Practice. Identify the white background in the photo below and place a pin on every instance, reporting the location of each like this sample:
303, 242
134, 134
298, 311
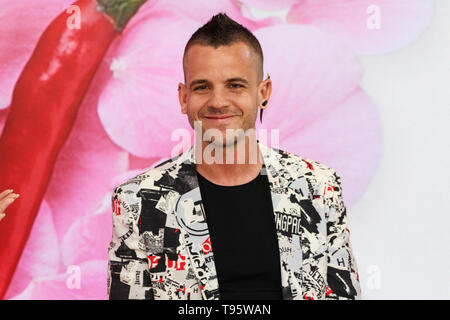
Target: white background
400, 226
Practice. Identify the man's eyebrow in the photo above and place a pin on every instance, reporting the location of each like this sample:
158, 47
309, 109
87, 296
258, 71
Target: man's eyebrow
237, 79
194, 82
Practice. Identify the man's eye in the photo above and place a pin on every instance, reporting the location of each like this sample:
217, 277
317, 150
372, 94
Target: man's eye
233, 85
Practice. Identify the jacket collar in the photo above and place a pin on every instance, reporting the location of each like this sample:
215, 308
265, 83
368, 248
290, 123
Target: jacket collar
195, 235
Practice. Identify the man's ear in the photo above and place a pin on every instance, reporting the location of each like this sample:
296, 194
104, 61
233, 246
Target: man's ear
182, 97
266, 89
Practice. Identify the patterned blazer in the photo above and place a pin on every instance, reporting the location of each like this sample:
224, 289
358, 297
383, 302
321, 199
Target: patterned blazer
161, 249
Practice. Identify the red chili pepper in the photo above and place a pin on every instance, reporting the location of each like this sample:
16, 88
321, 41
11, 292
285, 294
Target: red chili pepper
43, 109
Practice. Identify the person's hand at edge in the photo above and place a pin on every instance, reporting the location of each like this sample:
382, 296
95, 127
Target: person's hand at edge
6, 198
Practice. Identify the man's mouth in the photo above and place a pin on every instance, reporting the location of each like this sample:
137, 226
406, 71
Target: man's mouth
222, 119
219, 117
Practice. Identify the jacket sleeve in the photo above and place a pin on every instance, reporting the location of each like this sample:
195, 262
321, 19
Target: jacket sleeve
342, 272
128, 269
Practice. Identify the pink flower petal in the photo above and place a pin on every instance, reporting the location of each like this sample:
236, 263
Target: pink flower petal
310, 75
203, 10
147, 67
93, 284
120, 178
317, 105
355, 21
86, 164
88, 237
268, 5
40, 256
21, 23
347, 138
140, 163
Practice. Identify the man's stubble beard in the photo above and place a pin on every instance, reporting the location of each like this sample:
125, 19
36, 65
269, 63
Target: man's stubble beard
229, 140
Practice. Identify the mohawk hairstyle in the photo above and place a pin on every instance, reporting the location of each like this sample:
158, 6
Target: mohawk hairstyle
221, 30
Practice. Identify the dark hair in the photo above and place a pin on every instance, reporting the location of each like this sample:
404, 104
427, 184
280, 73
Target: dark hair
221, 30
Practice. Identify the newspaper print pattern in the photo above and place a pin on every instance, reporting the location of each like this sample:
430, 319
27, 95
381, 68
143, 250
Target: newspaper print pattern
160, 247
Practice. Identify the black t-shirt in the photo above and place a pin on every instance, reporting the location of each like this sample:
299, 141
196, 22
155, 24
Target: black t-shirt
243, 237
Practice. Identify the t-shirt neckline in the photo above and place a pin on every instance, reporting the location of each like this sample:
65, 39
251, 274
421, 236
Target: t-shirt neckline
239, 186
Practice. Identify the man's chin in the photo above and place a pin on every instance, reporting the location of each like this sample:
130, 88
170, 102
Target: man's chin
227, 141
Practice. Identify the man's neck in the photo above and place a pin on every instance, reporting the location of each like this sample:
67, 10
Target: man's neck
242, 165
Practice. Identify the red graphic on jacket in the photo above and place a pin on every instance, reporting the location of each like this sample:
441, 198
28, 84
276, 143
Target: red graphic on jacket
176, 264
154, 261
308, 164
307, 297
206, 246
173, 264
116, 207
327, 187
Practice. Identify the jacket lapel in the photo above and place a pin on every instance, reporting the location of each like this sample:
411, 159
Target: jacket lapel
287, 219
194, 235
189, 211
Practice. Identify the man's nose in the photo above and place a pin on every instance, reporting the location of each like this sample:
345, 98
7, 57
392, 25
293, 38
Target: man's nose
218, 99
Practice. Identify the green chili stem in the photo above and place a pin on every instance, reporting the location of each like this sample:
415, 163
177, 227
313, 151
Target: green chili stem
121, 11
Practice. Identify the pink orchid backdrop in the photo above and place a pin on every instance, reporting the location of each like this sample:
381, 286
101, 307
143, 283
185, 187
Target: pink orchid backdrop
121, 129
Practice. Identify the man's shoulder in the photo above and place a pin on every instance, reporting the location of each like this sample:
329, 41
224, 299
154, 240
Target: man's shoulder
304, 165
147, 177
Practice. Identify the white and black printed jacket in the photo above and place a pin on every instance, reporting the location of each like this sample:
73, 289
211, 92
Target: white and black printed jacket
161, 249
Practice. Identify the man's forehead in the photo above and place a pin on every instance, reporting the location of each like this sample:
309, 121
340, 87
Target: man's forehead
239, 50
232, 60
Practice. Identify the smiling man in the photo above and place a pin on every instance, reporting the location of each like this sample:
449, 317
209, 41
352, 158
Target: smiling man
230, 218
224, 90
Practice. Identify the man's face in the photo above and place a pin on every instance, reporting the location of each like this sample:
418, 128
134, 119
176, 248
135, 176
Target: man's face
222, 90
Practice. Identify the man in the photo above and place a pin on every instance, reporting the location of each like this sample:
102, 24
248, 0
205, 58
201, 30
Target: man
231, 218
